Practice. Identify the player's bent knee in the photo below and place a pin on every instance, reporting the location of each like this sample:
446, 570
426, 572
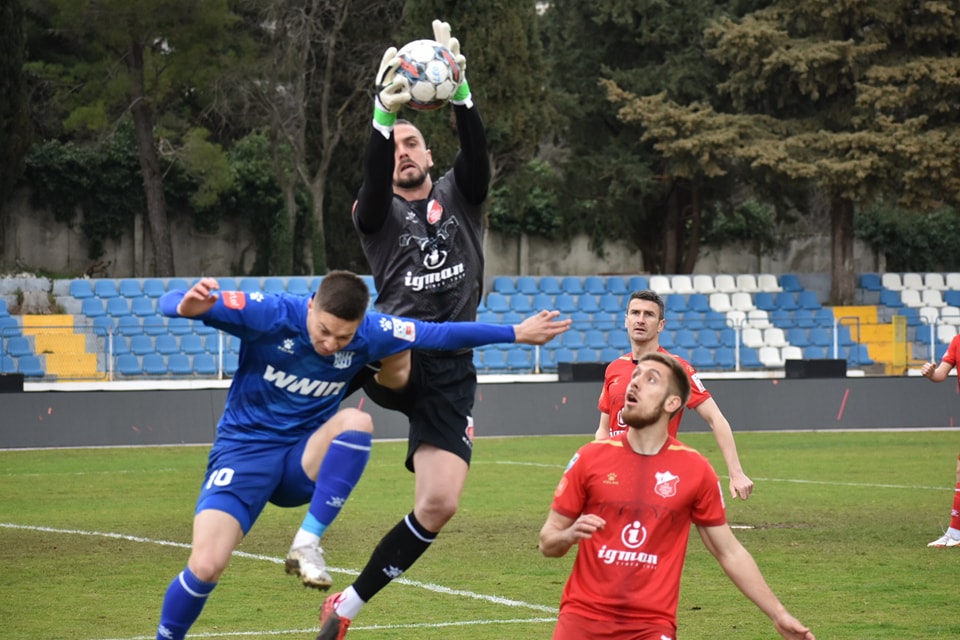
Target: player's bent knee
354, 420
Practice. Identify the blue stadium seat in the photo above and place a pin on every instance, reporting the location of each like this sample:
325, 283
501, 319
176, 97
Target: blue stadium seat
128, 365
571, 285
105, 288
564, 354
497, 302
8, 364
617, 285
749, 358
211, 343
511, 317
102, 326
495, 361
120, 346
227, 283
527, 285
230, 363
912, 314
891, 299
595, 339
81, 289
804, 318
18, 346
231, 343
790, 282
154, 287
541, 301
823, 317
725, 358
118, 307
586, 354
609, 354
488, 316
727, 337
565, 303
179, 364
520, 302
588, 303
128, 326
274, 284
787, 300
594, 285
606, 321
191, 344
870, 282
3, 308
699, 302
765, 300
249, 285
821, 337
951, 297
619, 340
549, 285
808, 300
798, 337
547, 362
204, 364
677, 303
685, 338
610, 303
166, 344
702, 358
178, 284
31, 366
812, 352
142, 344
844, 338
298, 286
143, 307
708, 338
781, 318
154, 364
638, 283
666, 340
504, 285
131, 288
520, 360
179, 326
572, 339
859, 356
680, 352
202, 329
92, 307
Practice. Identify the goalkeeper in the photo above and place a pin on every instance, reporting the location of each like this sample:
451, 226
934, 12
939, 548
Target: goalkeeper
424, 242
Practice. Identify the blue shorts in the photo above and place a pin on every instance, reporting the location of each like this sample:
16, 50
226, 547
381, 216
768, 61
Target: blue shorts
243, 476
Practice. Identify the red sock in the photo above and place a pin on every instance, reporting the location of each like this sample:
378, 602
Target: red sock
955, 512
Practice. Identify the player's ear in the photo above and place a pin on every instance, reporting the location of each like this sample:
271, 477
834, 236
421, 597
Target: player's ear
672, 404
429, 159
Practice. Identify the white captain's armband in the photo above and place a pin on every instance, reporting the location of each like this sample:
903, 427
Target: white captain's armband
404, 330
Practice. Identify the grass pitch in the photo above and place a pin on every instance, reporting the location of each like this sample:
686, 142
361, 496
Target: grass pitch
839, 522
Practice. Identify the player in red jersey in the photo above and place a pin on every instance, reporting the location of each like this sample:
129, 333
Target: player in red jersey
939, 373
644, 322
628, 503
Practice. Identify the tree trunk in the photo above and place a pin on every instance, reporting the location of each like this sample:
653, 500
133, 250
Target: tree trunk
149, 166
672, 231
843, 279
692, 250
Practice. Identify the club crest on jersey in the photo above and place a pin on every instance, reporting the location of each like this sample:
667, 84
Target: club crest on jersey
342, 359
233, 299
666, 486
434, 212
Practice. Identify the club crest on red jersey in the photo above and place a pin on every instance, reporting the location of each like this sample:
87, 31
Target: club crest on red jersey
666, 486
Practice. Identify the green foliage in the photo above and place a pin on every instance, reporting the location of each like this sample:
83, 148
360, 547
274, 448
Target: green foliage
527, 202
14, 127
751, 222
911, 240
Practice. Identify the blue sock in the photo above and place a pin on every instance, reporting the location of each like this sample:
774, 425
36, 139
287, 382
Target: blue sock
339, 473
182, 605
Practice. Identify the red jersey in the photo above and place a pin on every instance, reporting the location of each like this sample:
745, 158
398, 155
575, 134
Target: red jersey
630, 570
617, 378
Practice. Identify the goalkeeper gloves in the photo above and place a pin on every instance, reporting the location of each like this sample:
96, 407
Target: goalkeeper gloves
393, 91
441, 33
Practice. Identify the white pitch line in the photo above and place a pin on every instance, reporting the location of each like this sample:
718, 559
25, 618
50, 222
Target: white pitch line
436, 588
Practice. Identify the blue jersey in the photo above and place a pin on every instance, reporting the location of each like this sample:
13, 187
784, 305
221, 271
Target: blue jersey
283, 389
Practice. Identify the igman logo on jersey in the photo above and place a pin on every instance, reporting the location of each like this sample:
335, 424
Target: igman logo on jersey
302, 386
632, 536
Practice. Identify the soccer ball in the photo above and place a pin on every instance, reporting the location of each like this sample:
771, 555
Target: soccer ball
433, 73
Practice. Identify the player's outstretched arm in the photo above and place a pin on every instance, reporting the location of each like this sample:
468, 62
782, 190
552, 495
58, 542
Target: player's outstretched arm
199, 299
743, 571
540, 328
741, 486
935, 372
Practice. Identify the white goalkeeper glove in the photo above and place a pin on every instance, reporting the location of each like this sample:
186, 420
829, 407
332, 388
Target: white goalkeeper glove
441, 33
393, 91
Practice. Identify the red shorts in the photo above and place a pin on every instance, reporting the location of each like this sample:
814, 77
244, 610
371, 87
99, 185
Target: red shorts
573, 627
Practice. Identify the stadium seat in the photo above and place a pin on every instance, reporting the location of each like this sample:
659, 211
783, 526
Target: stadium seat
912, 281
821, 337
154, 287
950, 315
212, 343
798, 337
720, 302
180, 364
274, 284
638, 283
166, 344
790, 282
527, 285
205, 364
594, 285
128, 326
571, 285
790, 352
549, 285
511, 317
230, 363
495, 360
946, 332
118, 307
249, 285
497, 302
202, 329
586, 354
725, 358
130, 288
81, 289
572, 339
787, 300
765, 300
682, 284
666, 340
595, 339
725, 283
911, 298
92, 307
911, 314
619, 340
143, 307
179, 326
609, 354
702, 358
105, 288
951, 298
8, 364
952, 281
859, 356
801, 319
775, 337
118, 346
758, 319
686, 338
298, 286
227, 283
520, 360
824, 317
703, 284
747, 282
708, 338
727, 337
768, 282
694, 320
752, 338
565, 303
128, 365
488, 316
870, 282
610, 303
31, 366
932, 298
178, 284
154, 364
520, 303
142, 344
504, 285
742, 301
813, 352
749, 359
18, 347
617, 285
698, 302
661, 284
191, 344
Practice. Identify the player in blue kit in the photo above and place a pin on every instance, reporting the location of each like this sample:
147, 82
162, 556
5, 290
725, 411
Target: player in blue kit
281, 425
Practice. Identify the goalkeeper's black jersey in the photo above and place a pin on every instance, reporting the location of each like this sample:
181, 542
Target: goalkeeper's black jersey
427, 259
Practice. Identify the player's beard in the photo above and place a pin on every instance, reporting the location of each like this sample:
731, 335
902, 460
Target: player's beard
640, 419
413, 181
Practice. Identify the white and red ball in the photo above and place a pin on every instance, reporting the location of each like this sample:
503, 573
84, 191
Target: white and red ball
433, 73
